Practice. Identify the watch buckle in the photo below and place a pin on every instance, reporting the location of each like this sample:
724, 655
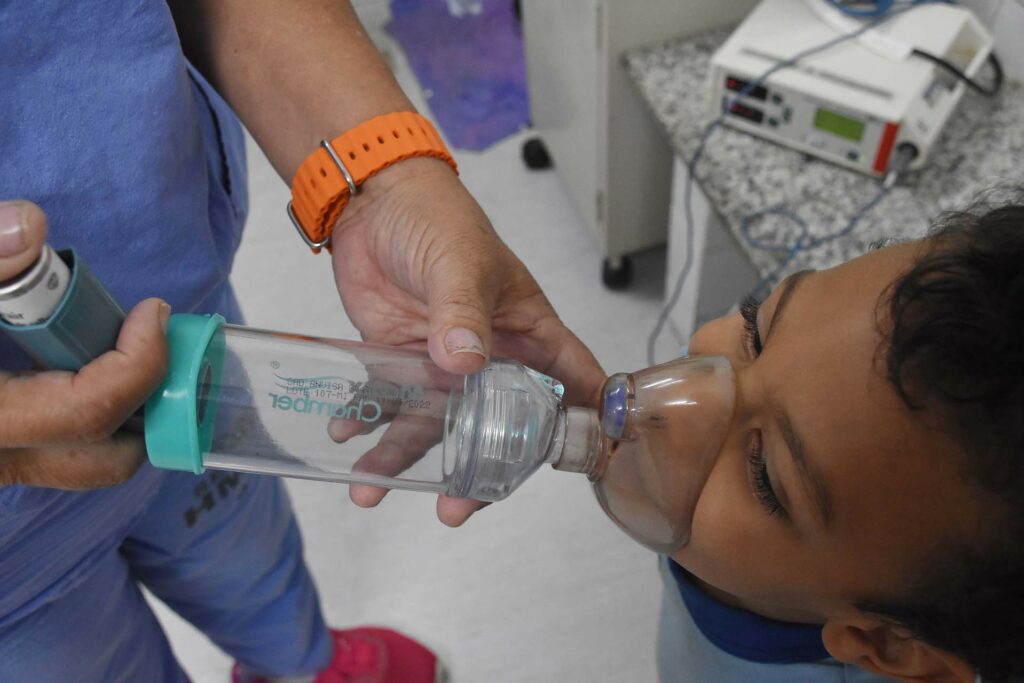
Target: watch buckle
353, 190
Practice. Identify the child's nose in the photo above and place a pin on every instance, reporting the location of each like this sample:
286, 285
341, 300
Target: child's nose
711, 338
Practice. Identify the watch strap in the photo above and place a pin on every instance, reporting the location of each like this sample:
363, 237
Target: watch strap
331, 175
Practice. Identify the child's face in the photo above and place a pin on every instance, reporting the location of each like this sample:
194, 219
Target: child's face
867, 493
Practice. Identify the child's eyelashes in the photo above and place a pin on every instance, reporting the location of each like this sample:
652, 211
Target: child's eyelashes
757, 464
748, 310
757, 467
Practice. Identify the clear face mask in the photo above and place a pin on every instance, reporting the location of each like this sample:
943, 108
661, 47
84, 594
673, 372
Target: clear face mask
661, 431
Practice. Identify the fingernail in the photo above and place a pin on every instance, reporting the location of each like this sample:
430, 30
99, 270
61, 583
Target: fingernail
12, 233
461, 340
165, 315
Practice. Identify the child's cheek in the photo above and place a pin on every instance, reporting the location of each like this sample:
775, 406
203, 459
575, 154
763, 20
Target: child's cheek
731, 535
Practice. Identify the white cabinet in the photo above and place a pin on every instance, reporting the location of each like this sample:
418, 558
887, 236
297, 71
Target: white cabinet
605, 145
721, 272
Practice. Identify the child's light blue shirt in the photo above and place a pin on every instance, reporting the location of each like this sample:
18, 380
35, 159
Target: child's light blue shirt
687, 655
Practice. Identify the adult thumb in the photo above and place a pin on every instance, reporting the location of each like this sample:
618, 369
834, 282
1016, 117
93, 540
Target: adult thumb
461, 300
22, 235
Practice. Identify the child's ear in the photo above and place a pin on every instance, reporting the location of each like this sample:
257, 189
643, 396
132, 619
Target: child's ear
885, 649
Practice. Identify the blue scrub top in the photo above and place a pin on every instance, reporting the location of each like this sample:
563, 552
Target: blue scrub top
140, 166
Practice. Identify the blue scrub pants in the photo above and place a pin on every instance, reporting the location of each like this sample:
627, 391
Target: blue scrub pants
223, 550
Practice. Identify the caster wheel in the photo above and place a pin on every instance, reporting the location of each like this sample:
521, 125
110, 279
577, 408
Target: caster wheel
617, 273
535, 155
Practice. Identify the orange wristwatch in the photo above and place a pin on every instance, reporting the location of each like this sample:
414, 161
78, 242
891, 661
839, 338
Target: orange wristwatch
331, 176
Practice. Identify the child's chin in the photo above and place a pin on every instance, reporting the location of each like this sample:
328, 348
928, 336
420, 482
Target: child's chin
705, 582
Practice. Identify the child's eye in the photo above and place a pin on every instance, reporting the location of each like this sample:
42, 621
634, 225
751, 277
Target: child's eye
748, 310
757, 467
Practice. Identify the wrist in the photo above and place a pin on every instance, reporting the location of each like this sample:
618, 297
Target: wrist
342, 168
407, 170
396, 188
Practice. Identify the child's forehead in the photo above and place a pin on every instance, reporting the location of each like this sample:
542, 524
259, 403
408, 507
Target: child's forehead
875, 270
829, 347
854, 293
888, 466
842, 306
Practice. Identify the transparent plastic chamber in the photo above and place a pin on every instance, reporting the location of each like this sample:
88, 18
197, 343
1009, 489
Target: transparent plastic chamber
273, 403
346, 411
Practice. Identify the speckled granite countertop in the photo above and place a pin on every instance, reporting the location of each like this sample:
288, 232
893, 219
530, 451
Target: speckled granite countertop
982, 145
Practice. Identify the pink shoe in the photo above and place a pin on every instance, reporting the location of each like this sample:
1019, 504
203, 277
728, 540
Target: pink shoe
372, 655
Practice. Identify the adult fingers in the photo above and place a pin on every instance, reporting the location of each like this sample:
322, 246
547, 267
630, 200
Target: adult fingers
549, 347
74, 467
455, 511
370, 410
65, 407
22, 235
351, 420
405, 441
462, 290
576, 367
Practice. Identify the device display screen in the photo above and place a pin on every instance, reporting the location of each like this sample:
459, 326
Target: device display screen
837, 124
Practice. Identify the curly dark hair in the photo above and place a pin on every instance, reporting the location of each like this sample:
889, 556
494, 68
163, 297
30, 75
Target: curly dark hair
955, 349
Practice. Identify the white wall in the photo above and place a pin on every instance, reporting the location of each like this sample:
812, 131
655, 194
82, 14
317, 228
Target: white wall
1006, 20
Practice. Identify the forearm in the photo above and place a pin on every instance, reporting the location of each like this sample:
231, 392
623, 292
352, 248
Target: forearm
295, 71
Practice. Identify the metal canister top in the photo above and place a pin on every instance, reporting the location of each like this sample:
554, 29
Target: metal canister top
32, 297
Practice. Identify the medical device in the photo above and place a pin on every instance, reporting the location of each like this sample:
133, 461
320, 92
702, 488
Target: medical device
59, 312
249, 400
855, 104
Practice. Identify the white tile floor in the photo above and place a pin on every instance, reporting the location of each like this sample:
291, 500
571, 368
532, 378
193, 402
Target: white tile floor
538, 588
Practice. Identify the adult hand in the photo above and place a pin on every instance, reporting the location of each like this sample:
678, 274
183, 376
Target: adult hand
417, 263
416, 260
59, 429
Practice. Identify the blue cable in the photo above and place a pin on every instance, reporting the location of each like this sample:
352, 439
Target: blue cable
865, 9
791, 250
804, 241
871, 9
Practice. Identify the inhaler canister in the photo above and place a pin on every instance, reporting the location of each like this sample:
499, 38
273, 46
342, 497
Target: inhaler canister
33, 296
59, 313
